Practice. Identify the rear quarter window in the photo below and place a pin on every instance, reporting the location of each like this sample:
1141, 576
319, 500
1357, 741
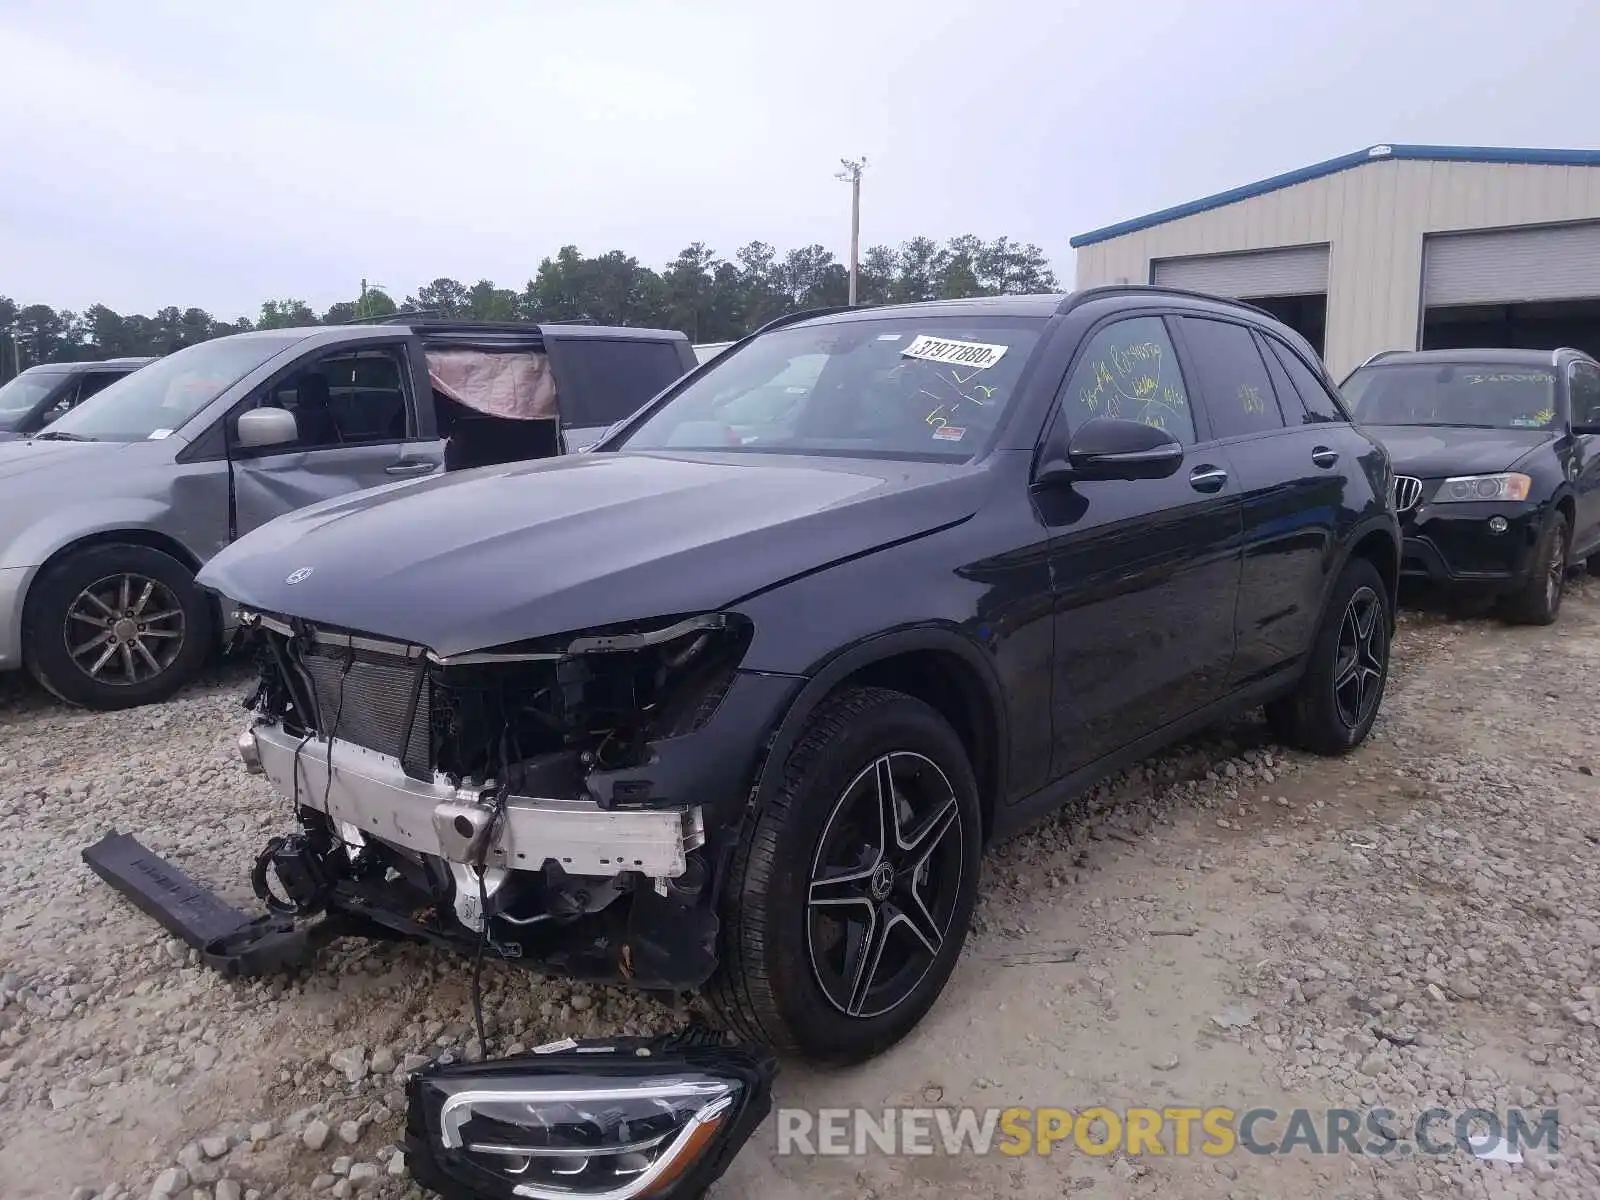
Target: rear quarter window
601, 381
1317, 403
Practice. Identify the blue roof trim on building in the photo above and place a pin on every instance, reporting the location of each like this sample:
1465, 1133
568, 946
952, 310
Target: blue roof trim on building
1379, 153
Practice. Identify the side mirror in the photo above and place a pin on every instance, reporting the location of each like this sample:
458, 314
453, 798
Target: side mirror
262, 427
1110, 448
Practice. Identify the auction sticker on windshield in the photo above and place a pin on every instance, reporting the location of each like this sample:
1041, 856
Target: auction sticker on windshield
961, 354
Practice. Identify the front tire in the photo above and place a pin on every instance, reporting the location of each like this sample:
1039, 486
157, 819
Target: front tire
1538, 601
851, 896
1332, 709
116, 626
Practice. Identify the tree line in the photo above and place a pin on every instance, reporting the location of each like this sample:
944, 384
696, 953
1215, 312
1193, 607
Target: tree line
706, 296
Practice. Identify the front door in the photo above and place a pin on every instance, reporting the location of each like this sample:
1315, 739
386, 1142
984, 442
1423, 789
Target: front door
1144, 573
358, 427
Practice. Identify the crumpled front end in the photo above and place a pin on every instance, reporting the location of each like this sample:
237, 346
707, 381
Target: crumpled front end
561, 803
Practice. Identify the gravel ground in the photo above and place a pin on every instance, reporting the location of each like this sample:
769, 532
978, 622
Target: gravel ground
1230, 923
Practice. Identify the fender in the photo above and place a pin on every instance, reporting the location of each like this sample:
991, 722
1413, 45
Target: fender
840, 665
47, 537
61, 530
1384, 522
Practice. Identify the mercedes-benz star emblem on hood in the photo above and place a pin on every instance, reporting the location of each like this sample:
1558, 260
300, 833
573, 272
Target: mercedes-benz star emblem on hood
299, 576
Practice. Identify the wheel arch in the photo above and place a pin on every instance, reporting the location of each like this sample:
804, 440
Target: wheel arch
1378, 541
938, 665
151, 539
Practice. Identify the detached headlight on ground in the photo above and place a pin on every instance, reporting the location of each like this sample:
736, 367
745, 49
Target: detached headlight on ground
1505, 486
608, 1121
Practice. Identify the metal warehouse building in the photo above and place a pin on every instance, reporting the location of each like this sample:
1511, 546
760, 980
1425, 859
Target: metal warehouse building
1393, 247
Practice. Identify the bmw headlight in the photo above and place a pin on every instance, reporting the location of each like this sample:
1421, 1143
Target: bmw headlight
1505, 486
602, 1121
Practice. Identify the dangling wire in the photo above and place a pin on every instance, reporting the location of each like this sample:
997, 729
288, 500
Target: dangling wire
485, 839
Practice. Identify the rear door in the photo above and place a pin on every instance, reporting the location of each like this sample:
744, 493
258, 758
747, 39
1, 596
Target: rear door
602, 379
1145, 573
1584, 390
1291, 474
357, 413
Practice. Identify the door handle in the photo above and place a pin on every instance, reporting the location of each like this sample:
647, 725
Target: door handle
1207, 479
410, 468
1324, 457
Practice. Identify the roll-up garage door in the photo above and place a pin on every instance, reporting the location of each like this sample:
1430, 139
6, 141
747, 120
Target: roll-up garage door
1505, 266
1294, 271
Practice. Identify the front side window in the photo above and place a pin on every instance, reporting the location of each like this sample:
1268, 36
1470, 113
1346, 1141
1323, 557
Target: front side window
1128, 371
1238, 392
1462, 395
347, 399
930, 388
26, 391
158, 399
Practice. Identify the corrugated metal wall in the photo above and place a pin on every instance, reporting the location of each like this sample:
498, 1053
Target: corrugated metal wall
1374, 217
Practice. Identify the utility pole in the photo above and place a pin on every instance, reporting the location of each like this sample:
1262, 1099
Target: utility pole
852, 175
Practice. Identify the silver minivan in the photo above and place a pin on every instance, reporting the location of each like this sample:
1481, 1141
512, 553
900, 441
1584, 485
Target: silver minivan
108, 513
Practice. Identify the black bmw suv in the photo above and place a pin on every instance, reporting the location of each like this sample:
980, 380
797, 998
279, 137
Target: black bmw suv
736, 703
1497, 467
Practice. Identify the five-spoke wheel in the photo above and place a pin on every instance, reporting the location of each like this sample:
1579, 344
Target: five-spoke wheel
885, 884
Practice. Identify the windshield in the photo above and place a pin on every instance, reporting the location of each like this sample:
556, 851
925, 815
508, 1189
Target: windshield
22, 393
155, 400
898, 387
1468, 395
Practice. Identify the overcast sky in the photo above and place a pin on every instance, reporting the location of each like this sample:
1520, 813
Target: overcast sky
159, 153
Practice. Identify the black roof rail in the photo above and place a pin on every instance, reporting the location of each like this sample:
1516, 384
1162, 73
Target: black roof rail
394, 318
1073, 299
804, 314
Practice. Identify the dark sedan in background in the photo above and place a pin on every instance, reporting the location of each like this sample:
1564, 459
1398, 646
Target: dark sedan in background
40, 394
1497, 467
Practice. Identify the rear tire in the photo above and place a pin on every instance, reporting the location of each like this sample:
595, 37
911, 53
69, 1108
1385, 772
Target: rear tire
1332, 709
811, 884
116, 626
1538, 601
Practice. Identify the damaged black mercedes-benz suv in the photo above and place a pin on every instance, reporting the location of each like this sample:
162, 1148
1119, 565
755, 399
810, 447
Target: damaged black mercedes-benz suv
733, 702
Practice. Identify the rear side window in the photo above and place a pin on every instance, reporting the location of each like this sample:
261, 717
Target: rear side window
1129, 371
93, 381
1233, 379
1317, 403
600, 381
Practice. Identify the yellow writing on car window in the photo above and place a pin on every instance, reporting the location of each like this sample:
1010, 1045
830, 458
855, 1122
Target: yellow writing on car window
1127, 383
1250, 399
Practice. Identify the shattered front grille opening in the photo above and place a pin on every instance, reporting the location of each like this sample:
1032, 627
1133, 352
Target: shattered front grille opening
593, 702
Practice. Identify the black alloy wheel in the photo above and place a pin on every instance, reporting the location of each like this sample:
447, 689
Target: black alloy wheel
1362, 656
1333, 706
885, 884
853, 885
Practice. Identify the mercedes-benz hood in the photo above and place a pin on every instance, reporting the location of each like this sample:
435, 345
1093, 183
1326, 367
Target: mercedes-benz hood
485, 558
